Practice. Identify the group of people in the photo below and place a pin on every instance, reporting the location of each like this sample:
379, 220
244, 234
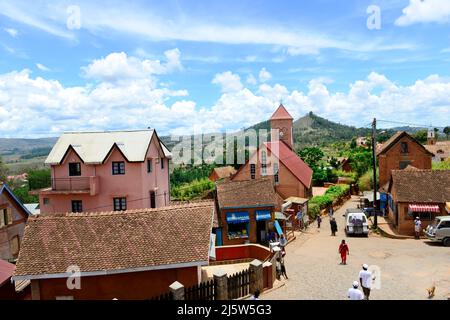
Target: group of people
365, 280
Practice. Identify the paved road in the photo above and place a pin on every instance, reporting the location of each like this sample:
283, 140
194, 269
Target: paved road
408, 267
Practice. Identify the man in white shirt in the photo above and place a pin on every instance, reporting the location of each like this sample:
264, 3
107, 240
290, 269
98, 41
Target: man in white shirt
417, 225
365, 278
354, 293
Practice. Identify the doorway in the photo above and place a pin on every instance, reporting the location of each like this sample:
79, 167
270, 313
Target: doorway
261, 231
152, 199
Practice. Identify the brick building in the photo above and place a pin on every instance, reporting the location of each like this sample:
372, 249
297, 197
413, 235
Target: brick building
134, 254
291, 176
400, 151
246, 209
222, 173
413, 192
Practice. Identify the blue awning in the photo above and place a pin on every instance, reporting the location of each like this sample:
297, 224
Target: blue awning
262, 215
237, 217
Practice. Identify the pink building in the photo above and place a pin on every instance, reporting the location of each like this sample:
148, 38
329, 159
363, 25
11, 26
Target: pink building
105, 171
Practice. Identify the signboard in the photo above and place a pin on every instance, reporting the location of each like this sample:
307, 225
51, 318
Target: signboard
278, 228
212, 246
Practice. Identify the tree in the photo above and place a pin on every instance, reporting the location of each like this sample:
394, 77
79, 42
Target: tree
39, 178
421, 136
353, 143
360, 161
3, 171
312, 156
447, 131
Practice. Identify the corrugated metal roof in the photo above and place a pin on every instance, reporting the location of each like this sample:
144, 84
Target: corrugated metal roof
94, 147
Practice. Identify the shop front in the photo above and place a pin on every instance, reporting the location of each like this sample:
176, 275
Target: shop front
238, 225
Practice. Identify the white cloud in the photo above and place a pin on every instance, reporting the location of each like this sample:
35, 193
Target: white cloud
264, 75
251, 79
425, 11
41, 67
142, 22
228, 81
12, 32
118, 66
33, 106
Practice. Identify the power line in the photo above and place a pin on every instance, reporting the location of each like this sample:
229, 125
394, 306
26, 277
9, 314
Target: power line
410, 124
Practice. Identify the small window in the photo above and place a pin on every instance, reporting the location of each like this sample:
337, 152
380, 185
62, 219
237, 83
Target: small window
15, 246
120, 204
77, 206
74, 169
275, 173
404, 147
5, 217
162, 163
252, 171
149, 165
263, 163
46, 201
118, 167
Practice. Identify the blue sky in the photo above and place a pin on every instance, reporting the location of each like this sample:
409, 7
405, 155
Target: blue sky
184, 66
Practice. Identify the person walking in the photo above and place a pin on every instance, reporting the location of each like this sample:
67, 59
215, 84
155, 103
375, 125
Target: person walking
365, 278
354, 293
255, 295
333, 226
344, 251
278, 268
417, 226
283, 242
319, 220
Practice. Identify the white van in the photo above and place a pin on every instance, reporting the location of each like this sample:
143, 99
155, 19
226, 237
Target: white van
439, 230
356, 222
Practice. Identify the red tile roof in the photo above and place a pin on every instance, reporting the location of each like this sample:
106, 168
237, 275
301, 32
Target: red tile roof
134, 240
6, 271
291, 161
224, 172
247, 193
281, 113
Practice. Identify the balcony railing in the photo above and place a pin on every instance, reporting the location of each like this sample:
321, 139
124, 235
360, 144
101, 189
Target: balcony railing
73, 184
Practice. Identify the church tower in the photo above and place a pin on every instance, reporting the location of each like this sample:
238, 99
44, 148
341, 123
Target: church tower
283, 121
431, 137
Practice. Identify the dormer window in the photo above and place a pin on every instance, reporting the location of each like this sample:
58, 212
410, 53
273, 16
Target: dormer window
74, 169
118, 167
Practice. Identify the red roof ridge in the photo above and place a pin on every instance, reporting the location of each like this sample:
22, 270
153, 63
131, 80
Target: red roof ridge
184, 205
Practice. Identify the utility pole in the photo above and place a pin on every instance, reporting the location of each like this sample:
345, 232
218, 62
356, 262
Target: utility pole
374, 162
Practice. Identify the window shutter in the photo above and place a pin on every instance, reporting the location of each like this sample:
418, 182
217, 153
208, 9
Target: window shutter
9, 216
2, 218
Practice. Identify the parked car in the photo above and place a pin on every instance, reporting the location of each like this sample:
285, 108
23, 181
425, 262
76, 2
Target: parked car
356, 222
439, 230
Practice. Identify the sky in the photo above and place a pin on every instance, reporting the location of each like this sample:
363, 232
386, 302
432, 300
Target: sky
205, 66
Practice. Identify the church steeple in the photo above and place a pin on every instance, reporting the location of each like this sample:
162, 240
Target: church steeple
283, 121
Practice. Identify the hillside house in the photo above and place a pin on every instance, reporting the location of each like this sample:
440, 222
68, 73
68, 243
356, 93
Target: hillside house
222, 173
105, 171
290, 175
135, 254
400, 151
413, 192
13, 217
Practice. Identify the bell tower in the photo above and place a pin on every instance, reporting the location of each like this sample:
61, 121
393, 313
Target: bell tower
283, 121
431, 137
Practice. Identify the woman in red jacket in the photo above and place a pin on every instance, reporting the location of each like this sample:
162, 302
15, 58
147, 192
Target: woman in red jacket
344, 251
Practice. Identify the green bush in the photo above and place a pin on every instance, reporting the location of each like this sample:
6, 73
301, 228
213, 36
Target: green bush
365, 182
39, 179
193, 190
332, 194
353, 176
24, 197
313, 210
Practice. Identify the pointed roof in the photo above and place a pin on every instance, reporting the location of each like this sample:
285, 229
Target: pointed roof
281, 114
395, 138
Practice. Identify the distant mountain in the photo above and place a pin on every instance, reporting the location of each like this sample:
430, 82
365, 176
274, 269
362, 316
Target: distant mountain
15, 146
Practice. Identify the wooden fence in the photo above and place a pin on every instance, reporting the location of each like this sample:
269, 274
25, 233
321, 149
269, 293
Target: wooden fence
239, 284
164, 296
204, 291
